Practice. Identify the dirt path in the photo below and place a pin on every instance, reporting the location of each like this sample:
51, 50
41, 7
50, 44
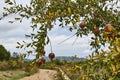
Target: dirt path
43, 74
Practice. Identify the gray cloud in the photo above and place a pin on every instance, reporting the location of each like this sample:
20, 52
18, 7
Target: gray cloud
81, 47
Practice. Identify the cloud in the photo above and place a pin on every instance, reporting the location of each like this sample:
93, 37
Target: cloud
13, 33
80, 48
15, 29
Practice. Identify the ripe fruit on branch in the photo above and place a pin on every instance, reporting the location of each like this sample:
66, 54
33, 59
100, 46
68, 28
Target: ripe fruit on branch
43, 60
51, 56
82, 25
39, 62
108, 28
43, 52
96, 31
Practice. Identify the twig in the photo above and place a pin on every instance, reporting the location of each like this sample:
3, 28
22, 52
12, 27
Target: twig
67, 39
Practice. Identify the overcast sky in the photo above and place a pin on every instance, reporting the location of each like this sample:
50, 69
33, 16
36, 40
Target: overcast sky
12, 33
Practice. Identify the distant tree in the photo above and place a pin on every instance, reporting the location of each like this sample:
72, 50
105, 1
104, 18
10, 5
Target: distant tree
15, 55
4, 54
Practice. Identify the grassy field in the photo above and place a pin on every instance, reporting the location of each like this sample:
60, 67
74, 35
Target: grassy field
12, 74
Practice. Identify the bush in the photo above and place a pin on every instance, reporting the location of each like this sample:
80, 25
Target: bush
4, 65
10, 65
30, 68
57, 62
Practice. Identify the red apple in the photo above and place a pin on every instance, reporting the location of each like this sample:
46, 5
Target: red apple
82, 25
43, 60
39, 62
43, 52
96, 31
51, 55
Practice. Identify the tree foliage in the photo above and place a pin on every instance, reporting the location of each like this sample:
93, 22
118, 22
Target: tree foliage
95, 14
4, 54
104, 65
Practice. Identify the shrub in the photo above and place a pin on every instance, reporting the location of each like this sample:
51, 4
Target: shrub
30, 68
4, 65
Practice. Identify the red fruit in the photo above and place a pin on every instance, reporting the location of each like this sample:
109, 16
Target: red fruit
82, 25
96, 31
43, 60
43, 52
39, 62
51, 55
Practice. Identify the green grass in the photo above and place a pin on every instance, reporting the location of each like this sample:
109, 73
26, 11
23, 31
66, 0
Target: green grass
16, 74
2, 72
